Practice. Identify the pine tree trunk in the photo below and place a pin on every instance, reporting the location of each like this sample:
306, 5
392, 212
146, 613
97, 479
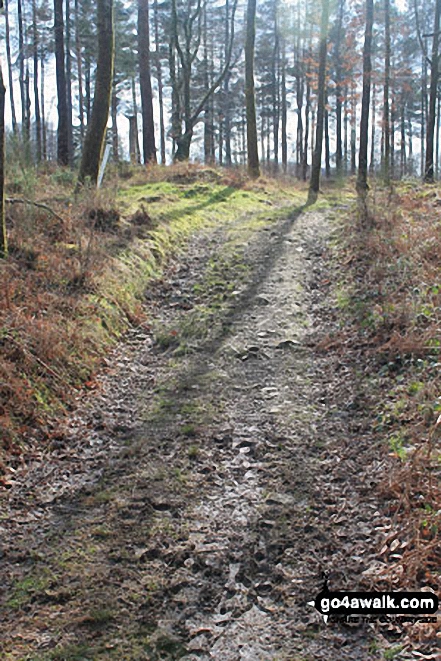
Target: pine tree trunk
314, 184
62, 132
137, 150
148, 125
3, 235
353, 129
96, 130
21, 70
9, 62
373, 120
306, 131
338, 90
250, 97
362, 184
299, 98
284, 114
386, 109
78, 53
423, 116
70, 146
327, 146
114, 115
226, 104
275, 92
434, 75
35, 44
160, 84
43, 110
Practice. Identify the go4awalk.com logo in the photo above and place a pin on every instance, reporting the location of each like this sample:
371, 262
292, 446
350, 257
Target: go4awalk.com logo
374, 605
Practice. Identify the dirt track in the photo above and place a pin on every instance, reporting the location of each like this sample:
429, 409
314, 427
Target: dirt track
191, 506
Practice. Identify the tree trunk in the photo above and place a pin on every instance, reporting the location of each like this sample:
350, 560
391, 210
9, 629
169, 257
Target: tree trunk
353, 129
35, 46
62, 133
327, 146
226, 104
79, 70
374, 108
9, 62
338, 90
43, 110
275, 91
386, 109
314, 184
423, 115
96, 130
300, 86
70, 146
160, 84
114, 114
434, 75
345, 130
284, 114
134, 124
250, 97
148, 125
21, 70
403, 141
306, 131
3, 235
362, 185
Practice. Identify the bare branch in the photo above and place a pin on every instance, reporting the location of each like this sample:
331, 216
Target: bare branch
39, 205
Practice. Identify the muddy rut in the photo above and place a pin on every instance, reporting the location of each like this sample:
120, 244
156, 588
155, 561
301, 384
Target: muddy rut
191, 506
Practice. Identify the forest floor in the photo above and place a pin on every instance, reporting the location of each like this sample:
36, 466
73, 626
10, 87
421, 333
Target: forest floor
224, 463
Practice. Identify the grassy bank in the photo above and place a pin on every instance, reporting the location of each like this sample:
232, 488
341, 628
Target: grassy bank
76, 276
389, 297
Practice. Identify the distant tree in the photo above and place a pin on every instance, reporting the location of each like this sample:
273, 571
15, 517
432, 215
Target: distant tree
96, 129
3, 236
250, 97
434, 76
362, 185
386, 109
9, 62
314, 184
63, 122
185, 41
148, 125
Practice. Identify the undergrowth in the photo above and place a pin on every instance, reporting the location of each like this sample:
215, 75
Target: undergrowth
390, 311
76, 276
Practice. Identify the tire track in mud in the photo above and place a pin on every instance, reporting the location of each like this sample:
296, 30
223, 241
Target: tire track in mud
210, 490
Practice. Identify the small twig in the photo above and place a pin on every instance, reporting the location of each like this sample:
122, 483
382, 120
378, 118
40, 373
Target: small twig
40, 205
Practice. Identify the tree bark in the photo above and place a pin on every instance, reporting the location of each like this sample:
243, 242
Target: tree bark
160, 84
70, 145
386, 109
148, 124
78, 53
314, 184
3, 235
35, 45
9, 62
114, 114
250, 96
434, 75
96, 130
284, 114
338, 89
362, 185
22, 70
62, 132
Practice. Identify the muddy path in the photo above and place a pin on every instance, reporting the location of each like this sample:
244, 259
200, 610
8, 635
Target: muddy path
190, 507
